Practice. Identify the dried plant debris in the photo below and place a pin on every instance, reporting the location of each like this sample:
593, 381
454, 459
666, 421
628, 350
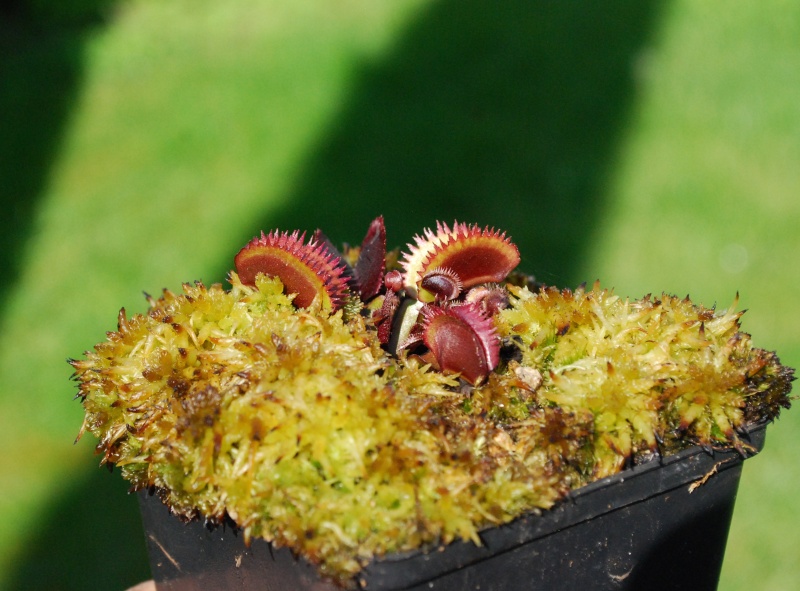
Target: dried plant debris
348, 405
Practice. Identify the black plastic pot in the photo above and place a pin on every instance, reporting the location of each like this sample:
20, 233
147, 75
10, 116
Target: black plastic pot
660, 525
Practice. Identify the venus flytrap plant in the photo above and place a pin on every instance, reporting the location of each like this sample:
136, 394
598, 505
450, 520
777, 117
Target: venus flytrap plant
428, 303
348, 405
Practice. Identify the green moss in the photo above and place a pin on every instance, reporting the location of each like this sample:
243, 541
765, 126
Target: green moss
299, 427
296, 425
653, 370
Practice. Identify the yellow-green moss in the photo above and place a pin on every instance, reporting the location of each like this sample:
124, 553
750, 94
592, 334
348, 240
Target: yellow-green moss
657, 374
300, 428
296, 425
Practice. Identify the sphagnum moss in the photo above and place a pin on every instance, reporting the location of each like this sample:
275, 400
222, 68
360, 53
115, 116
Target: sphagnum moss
297, 426
315, 428
658, 374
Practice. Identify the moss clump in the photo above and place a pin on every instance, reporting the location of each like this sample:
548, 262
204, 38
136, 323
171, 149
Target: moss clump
657, 374
297, 424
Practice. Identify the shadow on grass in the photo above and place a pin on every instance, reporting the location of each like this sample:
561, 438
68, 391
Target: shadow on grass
41, 69
506, 115
91, 538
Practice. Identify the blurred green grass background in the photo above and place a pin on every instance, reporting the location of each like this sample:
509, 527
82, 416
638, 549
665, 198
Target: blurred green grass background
653, 145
